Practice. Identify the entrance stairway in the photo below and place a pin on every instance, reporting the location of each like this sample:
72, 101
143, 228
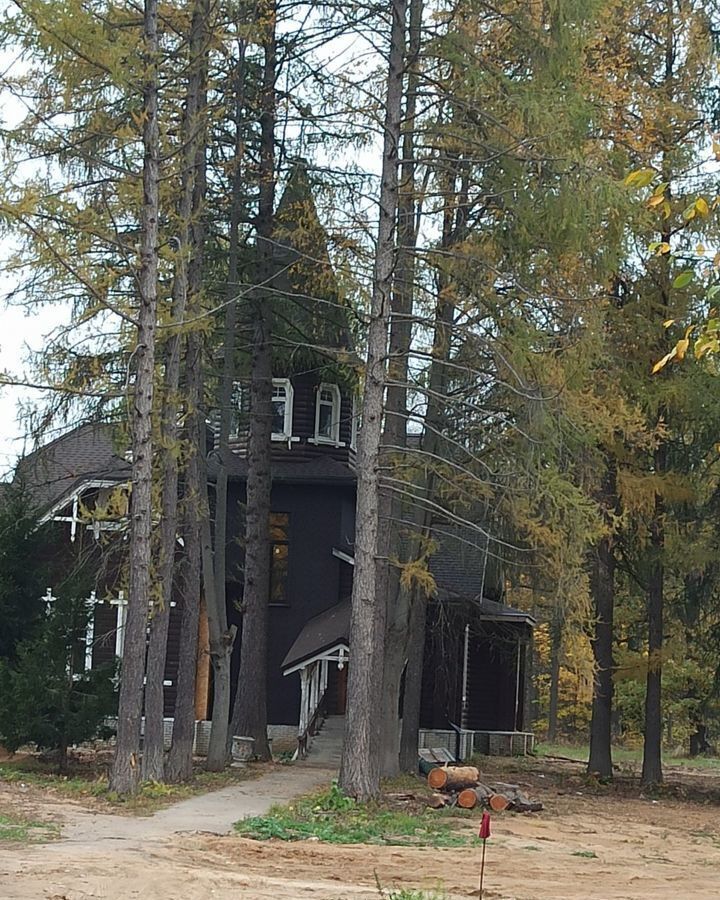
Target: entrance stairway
326, 747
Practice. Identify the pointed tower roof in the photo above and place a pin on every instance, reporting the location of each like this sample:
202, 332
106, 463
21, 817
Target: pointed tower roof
311, 317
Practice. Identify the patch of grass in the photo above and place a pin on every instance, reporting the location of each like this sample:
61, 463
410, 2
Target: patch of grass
409, 894
332, 817
629, 755
26, 831
586, 854
90, 783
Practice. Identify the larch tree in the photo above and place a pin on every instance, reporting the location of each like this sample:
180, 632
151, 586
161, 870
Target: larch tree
125, 775
360, 770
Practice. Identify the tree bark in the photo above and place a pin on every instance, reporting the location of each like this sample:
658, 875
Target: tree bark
602, 581
179, 762
396, 417
229, 329
556, 632
359, 770
250, 712
125, 774
453, 228
652, 745
154, 750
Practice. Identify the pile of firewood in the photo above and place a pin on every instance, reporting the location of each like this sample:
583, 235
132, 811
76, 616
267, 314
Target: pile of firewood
461, 786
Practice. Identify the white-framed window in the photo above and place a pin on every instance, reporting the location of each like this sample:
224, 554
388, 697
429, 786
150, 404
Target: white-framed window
282, 408
327, 414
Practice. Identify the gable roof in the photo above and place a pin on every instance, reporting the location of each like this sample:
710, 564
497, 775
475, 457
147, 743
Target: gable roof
323, 632
57, 470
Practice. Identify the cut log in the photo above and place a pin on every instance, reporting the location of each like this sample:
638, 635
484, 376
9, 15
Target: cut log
453, 778
483, 792
467, 799
499, 802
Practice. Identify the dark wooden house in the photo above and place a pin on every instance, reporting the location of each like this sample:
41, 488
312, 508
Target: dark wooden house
477, 648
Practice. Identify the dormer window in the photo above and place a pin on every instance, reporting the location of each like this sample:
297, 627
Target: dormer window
282, 404
327, 414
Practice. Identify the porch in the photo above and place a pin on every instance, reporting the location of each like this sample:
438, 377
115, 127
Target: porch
320, 655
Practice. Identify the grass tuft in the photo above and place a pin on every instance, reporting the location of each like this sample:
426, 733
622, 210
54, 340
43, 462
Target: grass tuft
333, 818
90, 783
26, 831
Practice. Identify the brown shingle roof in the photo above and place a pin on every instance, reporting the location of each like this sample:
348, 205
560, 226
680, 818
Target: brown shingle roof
86, 453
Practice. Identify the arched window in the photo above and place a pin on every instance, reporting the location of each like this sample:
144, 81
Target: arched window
282, 404
327, 414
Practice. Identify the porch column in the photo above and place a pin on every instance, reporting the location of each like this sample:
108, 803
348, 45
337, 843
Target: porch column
323, 676
303, 700
517, 684
90, 630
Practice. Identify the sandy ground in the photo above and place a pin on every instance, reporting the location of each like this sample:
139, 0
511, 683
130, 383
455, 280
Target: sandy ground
612, 847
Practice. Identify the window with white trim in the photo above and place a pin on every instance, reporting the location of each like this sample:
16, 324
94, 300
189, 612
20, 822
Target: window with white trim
327, 414
282, 404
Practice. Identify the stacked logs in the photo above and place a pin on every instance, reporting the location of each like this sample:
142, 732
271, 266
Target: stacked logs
461, 786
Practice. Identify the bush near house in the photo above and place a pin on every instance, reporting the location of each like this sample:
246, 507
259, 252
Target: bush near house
46, 696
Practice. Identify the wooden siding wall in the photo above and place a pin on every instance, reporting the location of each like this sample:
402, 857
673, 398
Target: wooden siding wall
492, 671
314, 578
303, 424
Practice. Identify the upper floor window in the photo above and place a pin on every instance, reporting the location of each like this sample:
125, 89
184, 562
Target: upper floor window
327, 414
282, 404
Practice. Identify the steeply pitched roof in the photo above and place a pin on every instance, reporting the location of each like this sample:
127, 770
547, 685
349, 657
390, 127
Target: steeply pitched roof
323, 632
86, 453
310, 315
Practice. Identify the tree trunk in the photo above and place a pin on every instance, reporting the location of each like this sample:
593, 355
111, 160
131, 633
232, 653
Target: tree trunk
250, 712
228, 377
359, 770
453, 228
154, 751
125, 773
179, 762
556, 632
396, 416
410, 724
652, 746
602, 581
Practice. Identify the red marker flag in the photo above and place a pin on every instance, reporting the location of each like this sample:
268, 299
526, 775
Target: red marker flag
484, 832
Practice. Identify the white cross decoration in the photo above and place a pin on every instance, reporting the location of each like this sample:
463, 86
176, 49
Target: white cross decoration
121, 603
49, 599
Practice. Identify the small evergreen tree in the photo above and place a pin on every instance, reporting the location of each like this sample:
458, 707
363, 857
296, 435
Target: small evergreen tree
46, 696
22, 573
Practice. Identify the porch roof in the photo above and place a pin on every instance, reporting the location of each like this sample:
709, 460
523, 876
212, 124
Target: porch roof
324, 632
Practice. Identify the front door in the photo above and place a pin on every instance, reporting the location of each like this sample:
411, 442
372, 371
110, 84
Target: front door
337, 690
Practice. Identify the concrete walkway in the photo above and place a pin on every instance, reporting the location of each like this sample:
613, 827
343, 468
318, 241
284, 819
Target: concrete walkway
214, 812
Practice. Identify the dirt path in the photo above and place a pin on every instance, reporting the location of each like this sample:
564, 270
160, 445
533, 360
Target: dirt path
212, 813
582, 847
